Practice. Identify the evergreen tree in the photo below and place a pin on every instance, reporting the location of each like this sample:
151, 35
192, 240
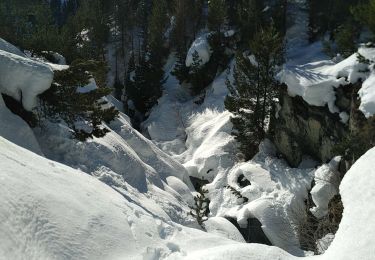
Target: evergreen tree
197, 74
345, 38
254, 91
217, 13
364, 14
250, 18
200, 210
180, 37
146, 86
82, 111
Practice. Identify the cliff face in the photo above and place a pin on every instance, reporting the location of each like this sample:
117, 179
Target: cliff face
301, 129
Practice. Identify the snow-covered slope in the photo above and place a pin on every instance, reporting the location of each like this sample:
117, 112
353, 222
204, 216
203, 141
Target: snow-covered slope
356, 235
51, 211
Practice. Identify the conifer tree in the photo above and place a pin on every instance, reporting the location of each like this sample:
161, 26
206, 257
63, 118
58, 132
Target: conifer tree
217, 13
146, 86
82, 111
180, 37
200, 210
254, 90
250, 18
364, 13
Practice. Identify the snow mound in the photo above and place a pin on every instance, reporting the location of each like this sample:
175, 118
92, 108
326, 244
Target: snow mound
223, 227
315, 81
274, 193
356, 235
23, 79
327, 181
124, 156
367, 95
202, 47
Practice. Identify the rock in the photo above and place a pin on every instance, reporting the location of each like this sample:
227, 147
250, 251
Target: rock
301, 129
253, 233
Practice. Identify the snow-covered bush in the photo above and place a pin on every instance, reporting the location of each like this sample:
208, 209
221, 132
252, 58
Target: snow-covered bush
75, 98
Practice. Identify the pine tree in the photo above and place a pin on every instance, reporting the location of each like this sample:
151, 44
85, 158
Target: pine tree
254, 91
250, 18
180, 37
200, 210
345, 38
197, 74
64, 103
217, 13
146, 87
364, 14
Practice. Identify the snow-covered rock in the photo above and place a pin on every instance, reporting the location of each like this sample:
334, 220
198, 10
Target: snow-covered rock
202, 47
367, 95
315, 79
327, 181
23, 79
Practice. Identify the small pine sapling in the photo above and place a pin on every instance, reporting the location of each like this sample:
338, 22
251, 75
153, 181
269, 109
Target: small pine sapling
200, 210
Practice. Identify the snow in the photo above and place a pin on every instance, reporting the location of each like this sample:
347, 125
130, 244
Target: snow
309, 75
23, 79
124, 196
88, 88
356, 235
229, 33
202, 47
14, 129
275, 194
6, 46
367, 95
324, 243
327, 180
51, 211
199, 137
222, 226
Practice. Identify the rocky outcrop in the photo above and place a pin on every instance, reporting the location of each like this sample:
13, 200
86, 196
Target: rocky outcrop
301, 129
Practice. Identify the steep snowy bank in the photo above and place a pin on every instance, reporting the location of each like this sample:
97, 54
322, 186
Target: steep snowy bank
356, 235
51, 211
124, 158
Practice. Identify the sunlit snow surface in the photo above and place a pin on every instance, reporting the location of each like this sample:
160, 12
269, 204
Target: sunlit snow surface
135, 204
314, 77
